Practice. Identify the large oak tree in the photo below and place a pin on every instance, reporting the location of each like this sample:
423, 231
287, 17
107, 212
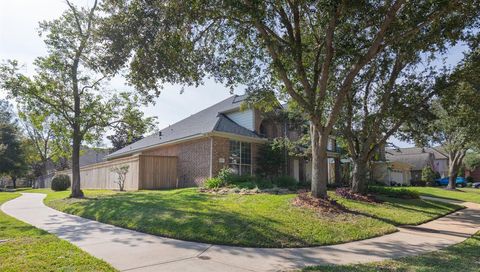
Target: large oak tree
310, 50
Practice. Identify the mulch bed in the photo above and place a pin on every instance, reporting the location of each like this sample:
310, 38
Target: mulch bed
305, 199
348, 194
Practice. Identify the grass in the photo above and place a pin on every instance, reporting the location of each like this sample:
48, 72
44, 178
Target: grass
261, 220
462, 194
26, 248
463, 257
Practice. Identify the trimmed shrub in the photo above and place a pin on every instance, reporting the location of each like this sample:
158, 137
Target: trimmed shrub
394, 192
213, 183
419, 182
60, 183
236, 179
285, 181
263, 183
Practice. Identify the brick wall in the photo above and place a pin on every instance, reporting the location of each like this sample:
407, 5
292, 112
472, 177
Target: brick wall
193, 164
221, 151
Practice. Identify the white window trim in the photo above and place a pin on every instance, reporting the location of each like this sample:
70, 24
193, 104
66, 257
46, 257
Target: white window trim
240, 163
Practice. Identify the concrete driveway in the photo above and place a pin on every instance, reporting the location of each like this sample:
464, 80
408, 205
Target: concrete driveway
129, 250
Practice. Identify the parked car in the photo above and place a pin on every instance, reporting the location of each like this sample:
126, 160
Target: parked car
476, 185
460, 182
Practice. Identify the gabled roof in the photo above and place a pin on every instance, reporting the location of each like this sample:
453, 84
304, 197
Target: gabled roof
208, 120
417, 160
437, 151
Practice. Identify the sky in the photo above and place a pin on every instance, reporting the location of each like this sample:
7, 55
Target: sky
19, 40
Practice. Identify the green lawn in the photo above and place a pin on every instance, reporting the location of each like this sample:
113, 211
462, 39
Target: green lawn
463, 194
245, 220
26, 248
464, 257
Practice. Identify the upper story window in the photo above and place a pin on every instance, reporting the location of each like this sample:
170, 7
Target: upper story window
240, 159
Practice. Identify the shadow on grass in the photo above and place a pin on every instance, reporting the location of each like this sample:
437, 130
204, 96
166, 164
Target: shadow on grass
179, 215
432, 209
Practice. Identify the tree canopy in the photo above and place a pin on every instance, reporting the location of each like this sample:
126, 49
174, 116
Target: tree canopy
456, 125
12, 157
312, 51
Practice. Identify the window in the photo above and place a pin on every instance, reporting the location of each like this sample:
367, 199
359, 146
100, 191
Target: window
240, 159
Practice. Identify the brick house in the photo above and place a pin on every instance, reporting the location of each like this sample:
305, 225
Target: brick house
198, 147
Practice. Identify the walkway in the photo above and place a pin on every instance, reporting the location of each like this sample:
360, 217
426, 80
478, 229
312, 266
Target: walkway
129, 250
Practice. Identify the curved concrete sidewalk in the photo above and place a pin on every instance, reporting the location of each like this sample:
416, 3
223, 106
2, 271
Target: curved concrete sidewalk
129, 250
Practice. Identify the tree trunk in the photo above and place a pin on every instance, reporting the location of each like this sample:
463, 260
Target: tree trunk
14, 182
359, 176
453, 169
76, 191
44, 174
319, 163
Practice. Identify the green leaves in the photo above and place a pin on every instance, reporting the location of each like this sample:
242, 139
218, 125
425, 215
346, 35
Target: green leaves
12, 157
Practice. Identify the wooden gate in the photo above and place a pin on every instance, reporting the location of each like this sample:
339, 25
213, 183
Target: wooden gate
158, 172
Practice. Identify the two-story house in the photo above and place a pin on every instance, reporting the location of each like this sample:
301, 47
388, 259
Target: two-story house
198, 147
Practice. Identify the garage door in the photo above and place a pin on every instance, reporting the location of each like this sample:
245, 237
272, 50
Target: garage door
396, 176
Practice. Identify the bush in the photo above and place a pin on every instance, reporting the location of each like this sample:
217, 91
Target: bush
263, 183
419, 182
236, 179
213, 183
249, 182
469, 179
225, 175
60, 183
394, 192
285, 181
428, 175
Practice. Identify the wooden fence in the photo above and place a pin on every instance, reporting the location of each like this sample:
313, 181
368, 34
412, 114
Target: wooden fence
145, 172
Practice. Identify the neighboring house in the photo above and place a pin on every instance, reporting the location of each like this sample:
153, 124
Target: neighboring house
88, 156
475, 174
198, 147
391, 172
420, 157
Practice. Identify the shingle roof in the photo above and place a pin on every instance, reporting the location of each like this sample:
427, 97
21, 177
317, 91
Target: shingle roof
91, 156
208, 120
418, 160
437, 151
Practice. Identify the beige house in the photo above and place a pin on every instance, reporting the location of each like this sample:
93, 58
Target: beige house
421, 157
198, 147
391, 172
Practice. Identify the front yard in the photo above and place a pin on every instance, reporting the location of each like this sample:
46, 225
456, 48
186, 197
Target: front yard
26, 248
464, 257
462, 194
261, 220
